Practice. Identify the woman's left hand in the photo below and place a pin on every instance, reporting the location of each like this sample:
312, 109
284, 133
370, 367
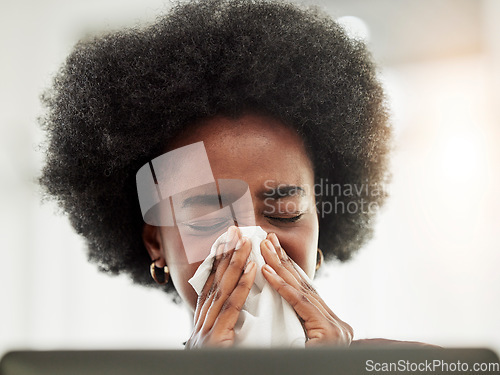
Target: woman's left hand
321, 325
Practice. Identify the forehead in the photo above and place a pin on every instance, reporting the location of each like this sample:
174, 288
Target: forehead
251, 148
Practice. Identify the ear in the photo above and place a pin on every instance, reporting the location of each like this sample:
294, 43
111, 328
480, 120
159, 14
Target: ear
152, 241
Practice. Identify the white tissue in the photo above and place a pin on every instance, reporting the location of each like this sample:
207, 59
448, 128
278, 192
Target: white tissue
266, 320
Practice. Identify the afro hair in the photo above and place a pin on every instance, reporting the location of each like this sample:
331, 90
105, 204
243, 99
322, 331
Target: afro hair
121, 96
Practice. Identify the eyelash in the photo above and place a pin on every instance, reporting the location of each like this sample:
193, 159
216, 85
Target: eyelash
285, 219
214, 227
206, 228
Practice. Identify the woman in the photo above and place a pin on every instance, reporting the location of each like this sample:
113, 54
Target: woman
280, 97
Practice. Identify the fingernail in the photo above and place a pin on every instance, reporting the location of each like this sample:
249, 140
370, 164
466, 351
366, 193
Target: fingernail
231, 232
270, 246
272, 249
250, 266
269, 269
231, 237
240, 243
274, 240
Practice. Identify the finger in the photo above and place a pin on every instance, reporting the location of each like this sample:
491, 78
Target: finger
232, 307
205, 292
271, 257
289, 264
219, 268
304, 298
299, 301
229, 281
301, 284
222, 257
285, 259
233, 236
285, 267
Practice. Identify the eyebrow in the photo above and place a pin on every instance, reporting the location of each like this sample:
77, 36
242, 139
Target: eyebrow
282, 191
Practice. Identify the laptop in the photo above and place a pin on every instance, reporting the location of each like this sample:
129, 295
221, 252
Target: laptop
317, 361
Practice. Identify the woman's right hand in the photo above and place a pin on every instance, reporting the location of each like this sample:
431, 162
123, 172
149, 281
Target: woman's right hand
224, 294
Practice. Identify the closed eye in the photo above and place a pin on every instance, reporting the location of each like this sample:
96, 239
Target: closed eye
207, 226
285, 219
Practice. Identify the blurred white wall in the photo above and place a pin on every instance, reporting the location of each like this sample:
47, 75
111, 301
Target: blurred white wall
430, 274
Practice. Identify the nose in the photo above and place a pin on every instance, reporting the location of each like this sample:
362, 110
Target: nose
263, 222
250, 217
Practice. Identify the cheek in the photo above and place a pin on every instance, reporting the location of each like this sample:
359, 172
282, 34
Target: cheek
180, 274
180, 269
301, 244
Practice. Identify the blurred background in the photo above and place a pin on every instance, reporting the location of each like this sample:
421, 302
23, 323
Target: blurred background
431, 273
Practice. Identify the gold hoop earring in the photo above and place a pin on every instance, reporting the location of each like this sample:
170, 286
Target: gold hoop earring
319, 262
153, 268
